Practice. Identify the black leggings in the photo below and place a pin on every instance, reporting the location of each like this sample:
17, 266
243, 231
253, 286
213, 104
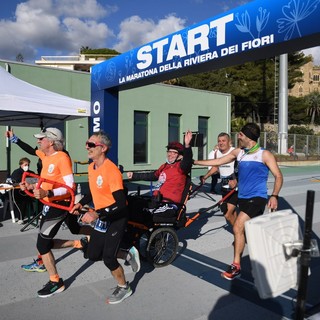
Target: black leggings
51, 222
49, 226
105, 246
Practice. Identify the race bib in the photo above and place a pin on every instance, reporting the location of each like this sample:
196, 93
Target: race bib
101, 226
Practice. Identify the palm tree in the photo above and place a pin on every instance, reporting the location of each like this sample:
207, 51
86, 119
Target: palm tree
313, 103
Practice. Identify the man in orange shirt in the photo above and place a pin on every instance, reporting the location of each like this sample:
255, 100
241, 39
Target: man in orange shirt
110, 213
71, 220
56, 166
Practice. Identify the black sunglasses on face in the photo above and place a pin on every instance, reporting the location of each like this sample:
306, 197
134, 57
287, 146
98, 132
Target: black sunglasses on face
91, 144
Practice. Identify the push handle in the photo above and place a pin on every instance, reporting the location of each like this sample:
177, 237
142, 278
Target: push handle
70, 198
196, 216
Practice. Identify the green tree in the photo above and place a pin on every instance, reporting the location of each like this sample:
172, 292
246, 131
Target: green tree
237, 124
251, 85
313, 106
295, 61
301, 130
297, 107
88, 50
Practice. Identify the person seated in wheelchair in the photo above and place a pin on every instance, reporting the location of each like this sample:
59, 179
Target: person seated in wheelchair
171, 177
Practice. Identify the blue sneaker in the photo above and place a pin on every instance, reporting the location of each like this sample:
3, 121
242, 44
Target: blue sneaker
35, 266
134, 259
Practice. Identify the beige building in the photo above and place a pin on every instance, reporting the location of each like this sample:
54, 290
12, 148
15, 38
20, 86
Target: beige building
80, 62
310, 83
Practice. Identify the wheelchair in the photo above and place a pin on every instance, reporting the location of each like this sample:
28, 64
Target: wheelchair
155, 234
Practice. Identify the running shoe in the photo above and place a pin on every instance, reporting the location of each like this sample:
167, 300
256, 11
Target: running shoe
51, 288
231, 273
35, 266
134, 259
119, 294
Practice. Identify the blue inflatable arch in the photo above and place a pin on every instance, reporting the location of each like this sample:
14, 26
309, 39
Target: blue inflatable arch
257, 30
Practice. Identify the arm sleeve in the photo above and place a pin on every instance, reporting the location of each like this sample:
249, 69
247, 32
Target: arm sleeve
27, 148
86, 199
186, 162
145, 176
116, 211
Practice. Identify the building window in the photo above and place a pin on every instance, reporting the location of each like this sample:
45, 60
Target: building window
316, 77
140, 137
173, 127
203, 128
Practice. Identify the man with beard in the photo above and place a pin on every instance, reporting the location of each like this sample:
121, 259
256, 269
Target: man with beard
253, 167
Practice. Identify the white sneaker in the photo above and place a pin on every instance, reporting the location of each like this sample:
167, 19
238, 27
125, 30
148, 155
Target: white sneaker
134, 259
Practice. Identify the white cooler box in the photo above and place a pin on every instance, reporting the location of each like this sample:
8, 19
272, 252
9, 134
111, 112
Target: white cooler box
274, 273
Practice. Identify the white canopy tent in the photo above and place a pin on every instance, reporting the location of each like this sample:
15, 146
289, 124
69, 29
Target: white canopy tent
23, 104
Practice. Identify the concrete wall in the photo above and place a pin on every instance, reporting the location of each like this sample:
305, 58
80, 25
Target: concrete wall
160, 100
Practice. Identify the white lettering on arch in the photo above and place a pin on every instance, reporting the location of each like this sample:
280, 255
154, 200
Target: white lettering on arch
96, 107
201, 39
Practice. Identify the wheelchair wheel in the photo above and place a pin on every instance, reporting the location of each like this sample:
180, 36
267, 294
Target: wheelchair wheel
162, 247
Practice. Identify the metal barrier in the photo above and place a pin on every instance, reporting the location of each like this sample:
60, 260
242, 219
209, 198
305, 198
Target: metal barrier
305, 147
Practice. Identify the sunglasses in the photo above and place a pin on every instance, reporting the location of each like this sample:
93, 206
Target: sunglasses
91, 144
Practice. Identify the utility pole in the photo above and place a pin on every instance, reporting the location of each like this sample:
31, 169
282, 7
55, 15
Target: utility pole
276, 93
283, 105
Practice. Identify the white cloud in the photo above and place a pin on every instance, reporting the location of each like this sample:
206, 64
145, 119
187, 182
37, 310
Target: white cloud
35, 25
84, 9
135, 31
86, 33
60, 27
315, 52
228, 5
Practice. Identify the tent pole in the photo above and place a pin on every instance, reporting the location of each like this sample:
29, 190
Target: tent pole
8, 147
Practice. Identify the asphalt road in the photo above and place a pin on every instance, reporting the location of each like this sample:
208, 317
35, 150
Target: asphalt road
191, 288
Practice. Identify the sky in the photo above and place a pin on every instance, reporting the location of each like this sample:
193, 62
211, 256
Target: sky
36, 28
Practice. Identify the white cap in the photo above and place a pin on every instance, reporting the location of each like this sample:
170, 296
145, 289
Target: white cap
51, 133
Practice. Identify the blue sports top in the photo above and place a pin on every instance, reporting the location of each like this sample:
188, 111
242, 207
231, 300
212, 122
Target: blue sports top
252, 176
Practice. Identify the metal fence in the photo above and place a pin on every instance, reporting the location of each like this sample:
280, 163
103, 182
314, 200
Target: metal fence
304, 146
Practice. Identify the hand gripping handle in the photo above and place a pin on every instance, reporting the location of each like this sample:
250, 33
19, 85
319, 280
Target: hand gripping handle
48, 203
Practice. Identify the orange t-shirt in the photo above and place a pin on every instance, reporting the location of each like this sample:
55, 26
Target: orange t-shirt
55, 167
103, 181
